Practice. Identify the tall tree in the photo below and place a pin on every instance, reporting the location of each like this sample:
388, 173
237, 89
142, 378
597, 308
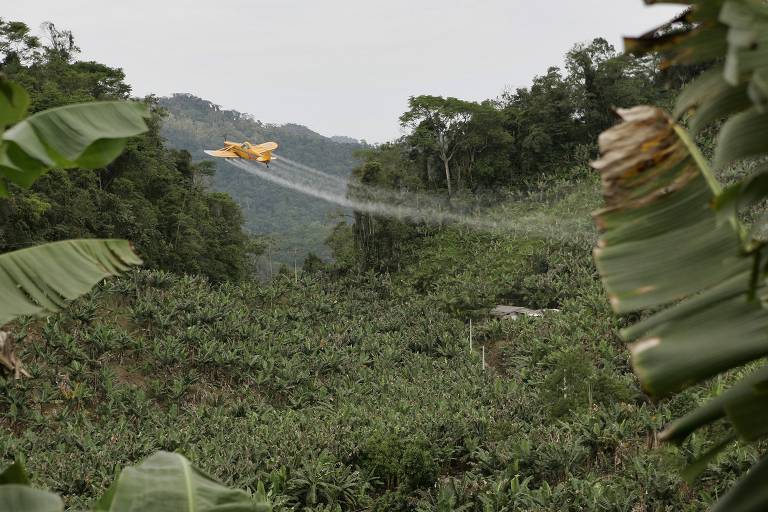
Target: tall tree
602, 80
438, 125
541, 119
484, 145
17, 44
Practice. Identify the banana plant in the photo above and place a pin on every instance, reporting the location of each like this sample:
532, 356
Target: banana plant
672, 240
85, 135
165, 482
43, 278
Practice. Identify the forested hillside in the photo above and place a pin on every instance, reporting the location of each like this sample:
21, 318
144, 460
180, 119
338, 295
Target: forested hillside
152, 194
297, 224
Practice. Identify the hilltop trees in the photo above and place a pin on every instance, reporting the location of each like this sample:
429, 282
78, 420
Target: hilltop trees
483, 148
601, 80
460, 145
438, 124
17, 44
458, 134
150, 194
543, 123
464, 148
564, 110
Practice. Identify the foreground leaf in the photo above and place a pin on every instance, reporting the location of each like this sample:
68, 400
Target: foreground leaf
663, 240
168, 482
16, 495
709, 98
658, 192
667, 236
14, 102
742, 136
750, 494
671, 238
14, 474
43, 278
21, 498
87, 135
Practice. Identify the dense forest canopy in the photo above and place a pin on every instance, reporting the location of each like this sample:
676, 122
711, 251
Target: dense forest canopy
530, 131
152, 194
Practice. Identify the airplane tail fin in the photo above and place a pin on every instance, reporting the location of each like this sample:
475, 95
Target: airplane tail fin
266, 158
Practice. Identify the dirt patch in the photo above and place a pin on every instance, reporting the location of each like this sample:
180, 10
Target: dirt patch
494, 354
125, 376
116, 311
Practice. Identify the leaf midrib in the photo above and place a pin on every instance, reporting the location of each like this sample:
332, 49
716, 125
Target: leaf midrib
188, 482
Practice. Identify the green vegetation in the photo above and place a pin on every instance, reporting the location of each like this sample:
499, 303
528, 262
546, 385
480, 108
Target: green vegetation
150, 194
380, 381
165, 481
524, 144
296, 224
672, 237
357, 390
43, 278
456, 145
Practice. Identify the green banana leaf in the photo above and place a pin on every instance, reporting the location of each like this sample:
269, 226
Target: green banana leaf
658, 191
750, 494
43, 278
88, 135
16, 495
21, 498
666, 239
14, 102
702, 38
168, 482
671, 240
14, 474
662, 241
710, 98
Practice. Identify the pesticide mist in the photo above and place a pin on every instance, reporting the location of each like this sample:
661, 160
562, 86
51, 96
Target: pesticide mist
517, 216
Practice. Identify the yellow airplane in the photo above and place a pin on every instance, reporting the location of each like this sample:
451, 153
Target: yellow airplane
245, 150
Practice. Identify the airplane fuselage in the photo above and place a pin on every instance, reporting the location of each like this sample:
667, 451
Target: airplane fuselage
243, 150
261, 153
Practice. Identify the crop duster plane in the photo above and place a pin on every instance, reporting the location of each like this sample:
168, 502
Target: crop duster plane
245, 150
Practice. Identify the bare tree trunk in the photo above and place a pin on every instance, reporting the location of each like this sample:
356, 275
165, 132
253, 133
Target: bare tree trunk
448, 175
430, 171
470, 169
459, 175
446, 157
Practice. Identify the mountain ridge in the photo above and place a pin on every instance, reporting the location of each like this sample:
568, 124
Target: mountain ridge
298, 225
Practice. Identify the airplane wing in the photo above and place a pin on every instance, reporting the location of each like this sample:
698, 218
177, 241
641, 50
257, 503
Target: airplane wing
263, 148
222, 153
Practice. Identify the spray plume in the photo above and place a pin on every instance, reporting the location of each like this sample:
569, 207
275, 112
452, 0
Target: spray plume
412, 206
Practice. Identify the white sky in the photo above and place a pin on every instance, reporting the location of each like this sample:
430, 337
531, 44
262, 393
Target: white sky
341, 67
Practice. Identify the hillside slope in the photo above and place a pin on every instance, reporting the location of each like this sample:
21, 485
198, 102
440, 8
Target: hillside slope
360, 392
297, 223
